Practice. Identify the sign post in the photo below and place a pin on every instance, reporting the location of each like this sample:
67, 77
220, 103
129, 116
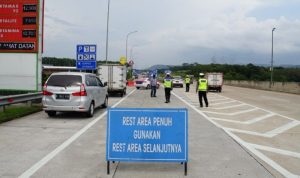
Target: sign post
86, 56
147, 135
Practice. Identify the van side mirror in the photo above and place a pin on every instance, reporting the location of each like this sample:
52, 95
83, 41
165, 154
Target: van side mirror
105, 84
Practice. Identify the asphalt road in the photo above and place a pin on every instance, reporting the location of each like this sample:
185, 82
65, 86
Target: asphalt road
243, 133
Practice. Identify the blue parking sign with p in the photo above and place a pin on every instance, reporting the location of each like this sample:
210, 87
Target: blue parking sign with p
79, 48
86, 57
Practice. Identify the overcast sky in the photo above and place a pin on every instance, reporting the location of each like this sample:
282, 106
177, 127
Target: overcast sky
173, 32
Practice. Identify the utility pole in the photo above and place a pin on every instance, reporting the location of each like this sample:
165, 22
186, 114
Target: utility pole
107, 24
272, 61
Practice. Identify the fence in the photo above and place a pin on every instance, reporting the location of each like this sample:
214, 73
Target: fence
13, 99
287, 87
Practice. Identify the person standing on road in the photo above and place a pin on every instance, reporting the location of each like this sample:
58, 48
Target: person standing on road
153, 84
187, 83
168, 87
202, 89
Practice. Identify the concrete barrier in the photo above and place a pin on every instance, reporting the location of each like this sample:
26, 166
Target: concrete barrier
287, 87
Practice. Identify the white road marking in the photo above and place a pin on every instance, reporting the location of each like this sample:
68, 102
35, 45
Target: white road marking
252, 121
248, 132
283, 128
232, 114
264, 109
263, 157
65, 144
268, 134
233, 106
211, 98
272, 163
214, 104
222, 99
259, 118
228, 120
276, 150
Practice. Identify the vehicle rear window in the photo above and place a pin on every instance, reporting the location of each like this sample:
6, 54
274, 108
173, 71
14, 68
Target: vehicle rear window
64, 80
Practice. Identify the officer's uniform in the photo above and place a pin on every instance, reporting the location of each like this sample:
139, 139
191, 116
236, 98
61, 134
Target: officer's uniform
187, 84
202, 90
168, 87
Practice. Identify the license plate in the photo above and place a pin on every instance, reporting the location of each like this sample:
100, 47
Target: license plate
62, 96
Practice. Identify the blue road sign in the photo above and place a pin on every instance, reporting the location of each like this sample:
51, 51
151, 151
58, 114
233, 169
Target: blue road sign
86, 56
147, 135
152, 72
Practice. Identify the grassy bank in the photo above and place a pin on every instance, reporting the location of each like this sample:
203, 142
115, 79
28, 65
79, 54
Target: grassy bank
14, 112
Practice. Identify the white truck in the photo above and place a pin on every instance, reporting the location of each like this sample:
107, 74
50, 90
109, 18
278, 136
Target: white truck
115, 77
215, 81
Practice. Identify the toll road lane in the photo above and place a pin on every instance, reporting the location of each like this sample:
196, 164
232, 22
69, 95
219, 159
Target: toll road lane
27, 140
256, 119
212, 153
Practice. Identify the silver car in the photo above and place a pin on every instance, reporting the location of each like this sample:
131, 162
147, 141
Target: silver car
177, 81
74, 91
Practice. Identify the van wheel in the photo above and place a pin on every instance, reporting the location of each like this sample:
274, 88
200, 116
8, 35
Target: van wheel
105, 104
124, 91
148, 87
90, 113
51, 113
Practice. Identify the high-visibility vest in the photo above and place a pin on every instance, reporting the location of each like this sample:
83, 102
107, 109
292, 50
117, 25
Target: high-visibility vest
168, 83
202, 84
187, 80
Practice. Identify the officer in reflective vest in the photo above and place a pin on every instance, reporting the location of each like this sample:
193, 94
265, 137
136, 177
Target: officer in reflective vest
202, 89
187, 83
168, 87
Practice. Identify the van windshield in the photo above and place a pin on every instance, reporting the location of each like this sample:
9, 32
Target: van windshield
64, 80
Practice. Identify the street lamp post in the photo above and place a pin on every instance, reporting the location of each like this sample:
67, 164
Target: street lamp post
271, 81
107, 24
131, 53
127, 40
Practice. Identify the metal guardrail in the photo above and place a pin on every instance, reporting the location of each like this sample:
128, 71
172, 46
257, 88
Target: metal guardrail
13, 99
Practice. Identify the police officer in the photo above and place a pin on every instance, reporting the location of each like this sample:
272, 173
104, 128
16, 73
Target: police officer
187, 83
202, 89
168, 84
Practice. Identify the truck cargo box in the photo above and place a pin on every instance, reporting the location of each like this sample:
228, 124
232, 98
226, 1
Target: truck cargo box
115, 76
215, 81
